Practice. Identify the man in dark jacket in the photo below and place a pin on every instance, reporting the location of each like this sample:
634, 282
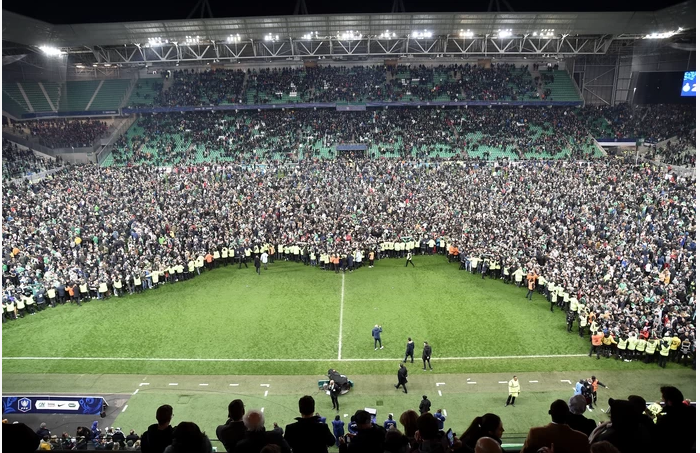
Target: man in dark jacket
424, 405
427, 354
369, 437
409, 350
403, 377
256, 438
159, 435
234, 430
307, 434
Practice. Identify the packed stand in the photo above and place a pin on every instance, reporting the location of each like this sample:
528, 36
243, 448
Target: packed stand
653, 123
18, 162
623, 261
192, 88
680, 152
353, 84
288, 135
635, 426
64, 133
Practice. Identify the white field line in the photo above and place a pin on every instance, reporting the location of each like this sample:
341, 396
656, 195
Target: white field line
163, 359
342, 303
502, 382
201, 385
471, 382
135, 392
125, 406
533, 382
266, 393
440, 392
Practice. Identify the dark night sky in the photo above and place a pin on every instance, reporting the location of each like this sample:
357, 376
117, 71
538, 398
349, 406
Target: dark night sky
86, 11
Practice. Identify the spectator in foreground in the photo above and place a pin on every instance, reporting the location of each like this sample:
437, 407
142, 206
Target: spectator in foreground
159, 435
487, 445
43, 431
256, 437
409, 421
395, 441
188, 438
307, 434
19, 438
575, 419
234, 430
369, 438
488, 425
429, 436
624, 430
557, 434
676, 423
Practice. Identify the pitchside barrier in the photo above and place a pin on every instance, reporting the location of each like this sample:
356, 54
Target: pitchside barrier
70, 405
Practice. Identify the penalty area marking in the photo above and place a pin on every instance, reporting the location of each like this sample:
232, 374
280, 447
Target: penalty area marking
163, 359
342, 302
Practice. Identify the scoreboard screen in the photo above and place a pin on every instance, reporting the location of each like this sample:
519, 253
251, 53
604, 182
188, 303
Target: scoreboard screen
688, 88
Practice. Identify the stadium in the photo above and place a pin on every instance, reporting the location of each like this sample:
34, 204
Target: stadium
350, 228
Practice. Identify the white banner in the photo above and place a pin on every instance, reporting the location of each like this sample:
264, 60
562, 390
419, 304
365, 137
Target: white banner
54, 404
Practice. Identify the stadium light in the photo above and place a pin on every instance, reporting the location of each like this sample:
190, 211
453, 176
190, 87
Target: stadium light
349, 35
466, 34
51, 51
153, 42
309, 36
233, 39
505, 33
663, 35
387, 35
425, 34
272, 38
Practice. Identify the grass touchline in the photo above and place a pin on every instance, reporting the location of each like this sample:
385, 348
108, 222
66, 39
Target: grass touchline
161, 359
342, 301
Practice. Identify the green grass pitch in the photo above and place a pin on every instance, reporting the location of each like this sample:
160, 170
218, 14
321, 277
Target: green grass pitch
284, 327
293, 312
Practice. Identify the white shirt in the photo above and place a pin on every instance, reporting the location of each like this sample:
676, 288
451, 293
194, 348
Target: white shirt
263, 257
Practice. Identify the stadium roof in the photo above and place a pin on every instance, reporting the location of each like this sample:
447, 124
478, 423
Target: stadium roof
30, 32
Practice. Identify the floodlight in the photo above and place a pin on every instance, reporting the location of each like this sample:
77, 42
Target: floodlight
51, 51
504, 33
466, 34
